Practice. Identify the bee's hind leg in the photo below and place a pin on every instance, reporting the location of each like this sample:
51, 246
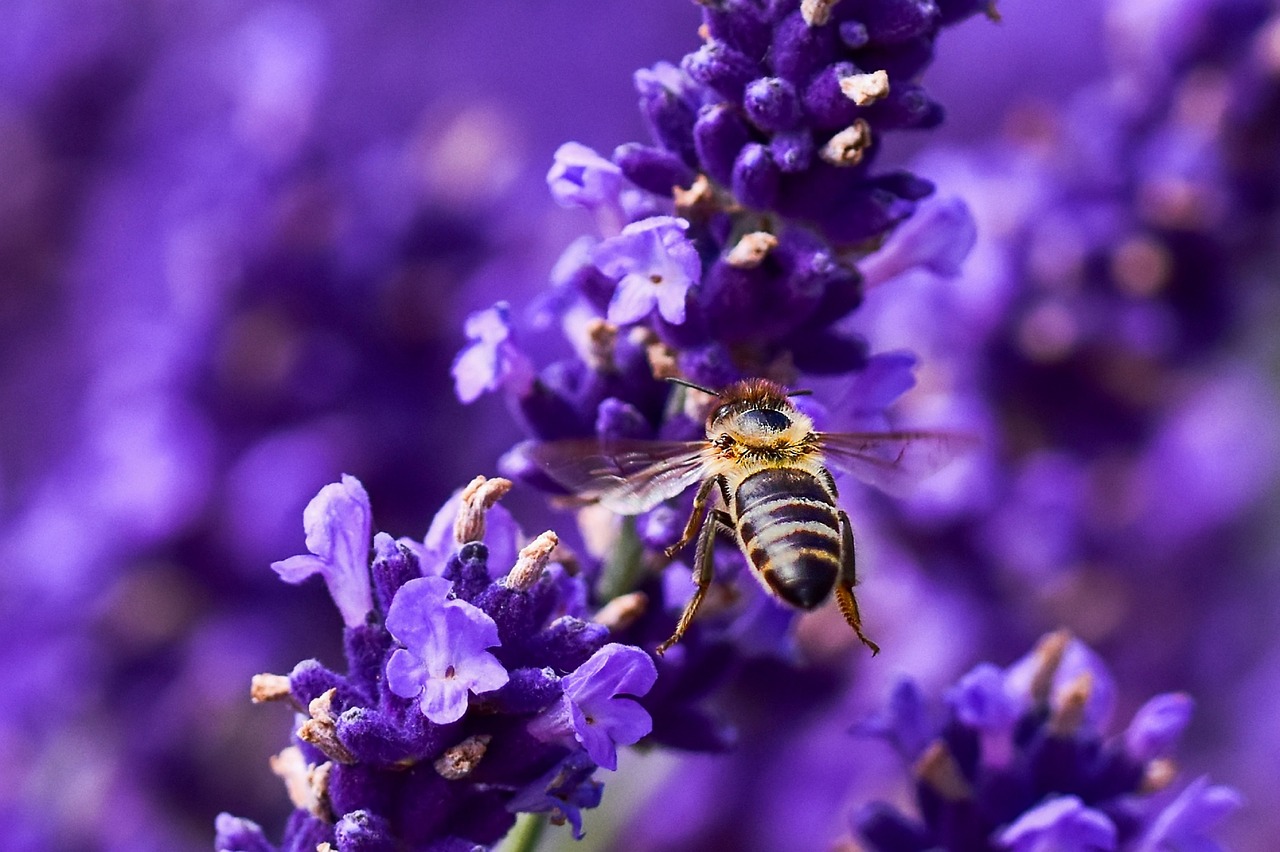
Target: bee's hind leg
848, 579
703, 572
695, 517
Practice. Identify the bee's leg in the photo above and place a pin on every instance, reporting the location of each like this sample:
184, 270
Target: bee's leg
848, 579
703, 572
695, 517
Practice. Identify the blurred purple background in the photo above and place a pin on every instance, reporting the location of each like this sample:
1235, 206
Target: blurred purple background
237, 241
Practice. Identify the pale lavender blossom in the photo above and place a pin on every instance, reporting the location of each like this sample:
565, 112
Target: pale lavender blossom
444, 657
338, 524
654, 264
596, 708
580, 177
492, 360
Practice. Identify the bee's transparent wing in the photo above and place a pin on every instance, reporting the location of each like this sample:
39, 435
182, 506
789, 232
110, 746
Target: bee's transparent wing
894, 462
625, 476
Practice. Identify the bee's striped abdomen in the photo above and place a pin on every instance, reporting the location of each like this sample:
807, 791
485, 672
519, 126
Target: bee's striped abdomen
790, 531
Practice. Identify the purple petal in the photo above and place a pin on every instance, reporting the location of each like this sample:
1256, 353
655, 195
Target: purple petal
444, 700
338, 524
632, 301
1062, 823
1186, 822
295, 569
595, 738
491, 360
671, 303
937, 238
405, 674
580, 177
614, 669
980, 701
414, 611
1157, 726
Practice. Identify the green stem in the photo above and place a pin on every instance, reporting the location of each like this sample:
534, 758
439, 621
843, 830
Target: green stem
624, 564
526, 834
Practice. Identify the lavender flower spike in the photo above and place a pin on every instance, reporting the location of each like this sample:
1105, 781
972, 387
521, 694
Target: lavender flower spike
338, 523
445, 656
655, 265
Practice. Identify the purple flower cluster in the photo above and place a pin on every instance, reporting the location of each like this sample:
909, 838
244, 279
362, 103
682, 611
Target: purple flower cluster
1019, 759
785, 106
725, 251
473, 692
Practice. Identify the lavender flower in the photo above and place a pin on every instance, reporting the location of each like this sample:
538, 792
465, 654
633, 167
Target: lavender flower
338, 523
438, 734
1019, 760
591, 710
444, 655
654, 265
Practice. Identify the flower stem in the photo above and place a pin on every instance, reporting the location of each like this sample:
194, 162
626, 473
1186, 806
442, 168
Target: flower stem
526, 834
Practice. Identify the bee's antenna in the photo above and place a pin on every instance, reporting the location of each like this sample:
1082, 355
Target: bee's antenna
676, 380
804, 392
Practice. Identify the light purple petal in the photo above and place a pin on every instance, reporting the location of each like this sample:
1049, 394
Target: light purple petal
628, 722
444, 700
555, 724
580, 177
491, 360
613, 670
671, 303
405, 674
295, 569
937, 239
338, 525
1158, 725
417, 606
979, 700
632, 301
1062, 823
1184, 825
595, 738
905, 724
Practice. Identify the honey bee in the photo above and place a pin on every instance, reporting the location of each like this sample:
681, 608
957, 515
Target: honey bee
770, 469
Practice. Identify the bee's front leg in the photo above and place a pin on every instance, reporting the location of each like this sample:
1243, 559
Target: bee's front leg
695, 517
848, 579
703, 572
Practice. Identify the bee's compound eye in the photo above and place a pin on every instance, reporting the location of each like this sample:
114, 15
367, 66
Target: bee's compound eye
766, 419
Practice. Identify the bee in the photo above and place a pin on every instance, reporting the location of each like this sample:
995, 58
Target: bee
772, 473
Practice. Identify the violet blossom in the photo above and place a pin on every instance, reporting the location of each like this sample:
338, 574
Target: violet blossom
442, 707
1020, 759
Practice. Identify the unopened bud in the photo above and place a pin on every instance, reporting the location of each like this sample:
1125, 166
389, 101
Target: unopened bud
1068, 716
321, 729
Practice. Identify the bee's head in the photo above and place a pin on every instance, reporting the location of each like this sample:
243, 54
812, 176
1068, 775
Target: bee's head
756, 411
